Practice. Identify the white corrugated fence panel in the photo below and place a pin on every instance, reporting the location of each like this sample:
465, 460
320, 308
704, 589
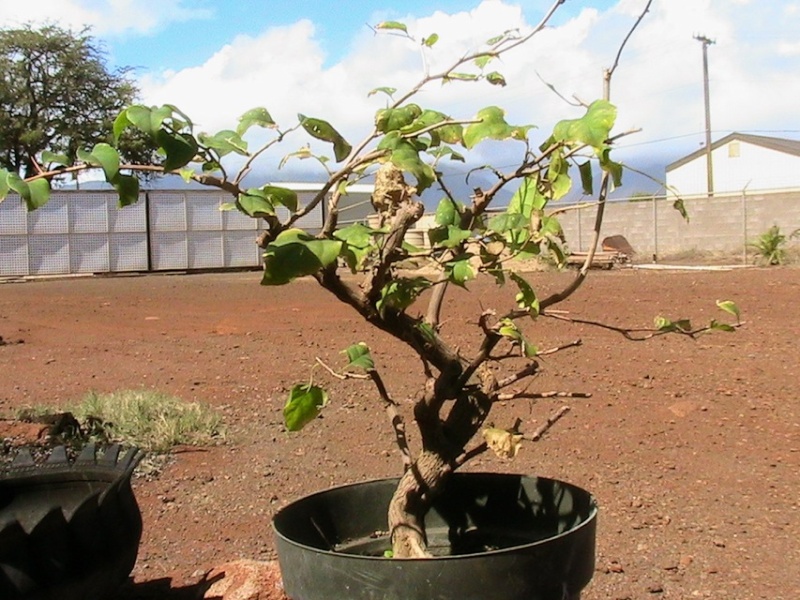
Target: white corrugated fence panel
240, 249
168, 250
49, 254
13, 255
127, 252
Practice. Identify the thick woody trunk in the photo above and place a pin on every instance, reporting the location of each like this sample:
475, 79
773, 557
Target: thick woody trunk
412, 499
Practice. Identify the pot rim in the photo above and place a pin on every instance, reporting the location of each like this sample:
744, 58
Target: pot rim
587, 522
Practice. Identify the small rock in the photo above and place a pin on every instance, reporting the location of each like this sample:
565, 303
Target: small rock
614, 567
245, 580
655, 589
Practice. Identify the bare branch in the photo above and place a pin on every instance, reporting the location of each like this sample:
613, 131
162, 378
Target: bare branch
528, 371
398, 424
640, 334
545, 427
572, 344
541, 395
610, 72
247, 165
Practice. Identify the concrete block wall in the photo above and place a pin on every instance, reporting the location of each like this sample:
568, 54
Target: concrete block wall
724, 223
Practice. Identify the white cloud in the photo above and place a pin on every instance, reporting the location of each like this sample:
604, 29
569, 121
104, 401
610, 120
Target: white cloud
657, 86
105, 17
789, 48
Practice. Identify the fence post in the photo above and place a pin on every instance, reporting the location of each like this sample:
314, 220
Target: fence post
655, 228
744, 225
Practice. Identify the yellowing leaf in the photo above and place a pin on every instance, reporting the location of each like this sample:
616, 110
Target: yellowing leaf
503, 443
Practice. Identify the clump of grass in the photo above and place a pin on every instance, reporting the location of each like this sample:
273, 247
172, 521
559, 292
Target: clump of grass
151, 420
770, 246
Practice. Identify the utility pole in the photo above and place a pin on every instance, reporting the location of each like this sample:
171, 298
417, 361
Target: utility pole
709, 167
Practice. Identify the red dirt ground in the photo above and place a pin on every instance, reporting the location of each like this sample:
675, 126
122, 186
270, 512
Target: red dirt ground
692, 448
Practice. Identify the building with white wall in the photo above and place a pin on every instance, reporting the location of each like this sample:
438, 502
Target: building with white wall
739, 161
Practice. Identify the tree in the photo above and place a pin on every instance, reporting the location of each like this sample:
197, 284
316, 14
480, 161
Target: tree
403, 152
58, 95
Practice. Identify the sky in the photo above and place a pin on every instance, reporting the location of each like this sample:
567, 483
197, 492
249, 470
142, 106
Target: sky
215, 60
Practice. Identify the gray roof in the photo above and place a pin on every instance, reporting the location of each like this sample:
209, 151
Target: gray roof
772, 143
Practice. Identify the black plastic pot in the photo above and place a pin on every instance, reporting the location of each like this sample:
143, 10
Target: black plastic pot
69, 530
494, 536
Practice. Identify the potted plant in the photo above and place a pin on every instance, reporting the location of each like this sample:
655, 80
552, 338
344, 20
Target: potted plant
519, 537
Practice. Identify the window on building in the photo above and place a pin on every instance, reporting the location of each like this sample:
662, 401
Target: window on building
733, 149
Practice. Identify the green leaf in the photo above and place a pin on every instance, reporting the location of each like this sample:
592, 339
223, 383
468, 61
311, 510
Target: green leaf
255, 205
730, 307
224, 142
448, 212
4, 188
358, 356
53, 158
558, 176
436, 126
127, 187
357, 240
550, 227
255, 116
401, 293
484, 60
461, 77
527, 199
39, 194
528, 349
302, 154
449, 236
447, 151
592, 129
108, 159
294, 254
612, 168
405, 156
389, 91
430, 40
392, 26
35, 193
303, 405
681, 208
357, 234
492, 126
717, 326
506, 222
526, 298
496, 78
392, 119
508, 329
258, 202
460, 271
322, 130
180, 149
663, 324
145, 119
587, 178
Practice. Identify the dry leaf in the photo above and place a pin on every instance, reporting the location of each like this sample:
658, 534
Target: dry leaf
504, 443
